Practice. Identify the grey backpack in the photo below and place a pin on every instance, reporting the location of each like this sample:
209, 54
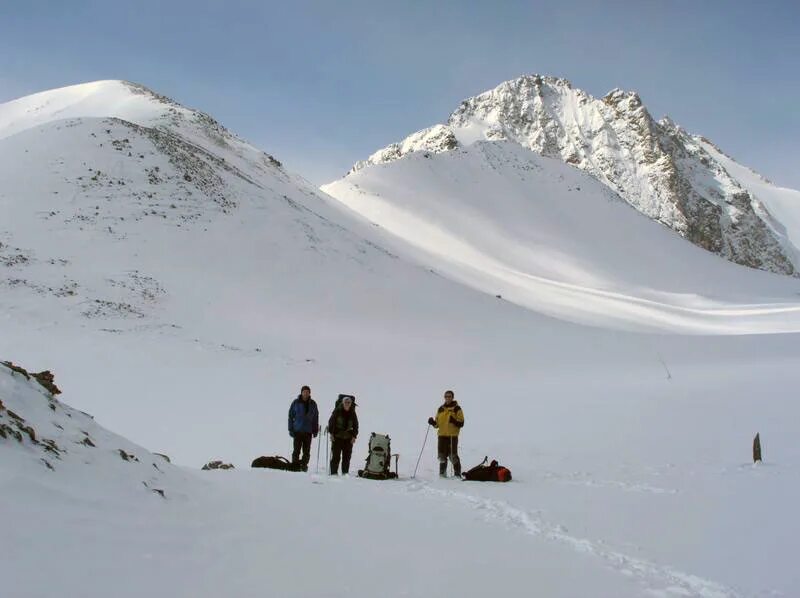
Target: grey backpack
378, 459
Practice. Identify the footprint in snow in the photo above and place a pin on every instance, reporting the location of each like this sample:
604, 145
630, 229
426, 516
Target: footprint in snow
655, 579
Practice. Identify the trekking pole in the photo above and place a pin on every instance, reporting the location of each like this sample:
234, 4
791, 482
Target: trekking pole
319, 441
452, 456
424, 442
460, 451
327, 446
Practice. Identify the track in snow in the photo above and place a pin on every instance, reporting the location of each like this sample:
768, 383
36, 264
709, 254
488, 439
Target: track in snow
656, 579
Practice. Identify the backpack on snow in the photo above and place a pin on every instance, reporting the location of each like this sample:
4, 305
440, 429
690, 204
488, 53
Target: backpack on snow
277, 462
378, 459
493, 472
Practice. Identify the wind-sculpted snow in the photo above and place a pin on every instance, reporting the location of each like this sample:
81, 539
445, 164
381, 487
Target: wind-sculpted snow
657, 167
548, 237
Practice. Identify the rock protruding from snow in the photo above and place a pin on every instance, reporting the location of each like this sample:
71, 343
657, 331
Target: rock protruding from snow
217, 465
436, 139
14, 425
45, 378
40, 434
655, 166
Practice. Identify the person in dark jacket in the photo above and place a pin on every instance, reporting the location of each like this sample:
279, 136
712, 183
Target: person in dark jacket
343, 429
449, 421
303, 426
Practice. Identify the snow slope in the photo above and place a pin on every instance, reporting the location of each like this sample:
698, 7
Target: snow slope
189, 329
40, 434
551, 238
108, 533
129, 102
98, 530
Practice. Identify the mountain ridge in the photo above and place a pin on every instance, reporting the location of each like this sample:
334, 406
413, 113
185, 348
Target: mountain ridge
656, 166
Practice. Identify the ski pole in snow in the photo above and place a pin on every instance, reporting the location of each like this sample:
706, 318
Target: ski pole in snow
327, 445
319, 440
452, 454
424, 442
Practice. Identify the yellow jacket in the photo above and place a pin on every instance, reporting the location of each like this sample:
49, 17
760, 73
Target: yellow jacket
443, 423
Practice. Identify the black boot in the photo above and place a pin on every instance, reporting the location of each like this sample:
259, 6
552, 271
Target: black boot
443, 469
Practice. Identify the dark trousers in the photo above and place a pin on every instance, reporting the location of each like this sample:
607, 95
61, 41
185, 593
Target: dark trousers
342, 448
302, 441
448, 447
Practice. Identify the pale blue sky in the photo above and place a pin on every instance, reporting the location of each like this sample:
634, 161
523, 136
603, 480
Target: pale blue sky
323, 84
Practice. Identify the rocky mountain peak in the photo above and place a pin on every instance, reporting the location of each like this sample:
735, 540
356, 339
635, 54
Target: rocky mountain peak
656, 167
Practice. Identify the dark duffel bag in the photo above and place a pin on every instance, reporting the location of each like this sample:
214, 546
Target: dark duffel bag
494, 472
277, 462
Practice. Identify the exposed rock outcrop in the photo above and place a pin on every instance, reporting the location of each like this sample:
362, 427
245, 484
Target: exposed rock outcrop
217, 465
655, 166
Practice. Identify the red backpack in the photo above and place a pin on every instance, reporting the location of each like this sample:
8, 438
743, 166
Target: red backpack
494, 472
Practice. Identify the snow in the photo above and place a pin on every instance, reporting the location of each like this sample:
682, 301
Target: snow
654, 166
626, 419
97, 99
546, 236
678, 515
783, 205
98, 530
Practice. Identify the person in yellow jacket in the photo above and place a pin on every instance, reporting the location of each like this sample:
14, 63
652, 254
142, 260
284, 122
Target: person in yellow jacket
449, 421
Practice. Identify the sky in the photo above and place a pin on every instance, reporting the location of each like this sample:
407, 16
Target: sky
323, 84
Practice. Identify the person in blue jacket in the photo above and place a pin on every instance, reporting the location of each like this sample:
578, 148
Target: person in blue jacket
303, 426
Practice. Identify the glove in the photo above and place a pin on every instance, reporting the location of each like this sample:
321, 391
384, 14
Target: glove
453, 420
315, 434
291, 433
431, 422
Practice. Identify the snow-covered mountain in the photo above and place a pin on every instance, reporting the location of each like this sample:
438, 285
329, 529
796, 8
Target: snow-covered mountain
675, 178
626, 419
547, 236
138, 237
124, 208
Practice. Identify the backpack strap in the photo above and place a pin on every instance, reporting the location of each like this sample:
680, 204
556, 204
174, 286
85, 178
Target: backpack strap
478, 466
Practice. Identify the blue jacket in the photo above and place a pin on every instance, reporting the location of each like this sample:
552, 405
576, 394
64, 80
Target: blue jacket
303, 418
